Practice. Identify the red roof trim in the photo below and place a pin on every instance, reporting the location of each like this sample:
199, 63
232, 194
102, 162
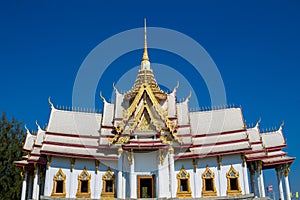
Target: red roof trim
254, 152
276, 148
210, 154
72, 135
78, 155
279, 162
107, 127
221, 133
220, 143
253, 143
266, 157
184, 126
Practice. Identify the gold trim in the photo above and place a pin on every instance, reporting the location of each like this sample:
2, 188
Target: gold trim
83, 176
183, 175
59, 176
208, 174
286, 170
108, 176
233, 174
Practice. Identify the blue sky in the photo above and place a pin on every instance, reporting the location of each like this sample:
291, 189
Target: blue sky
255, 45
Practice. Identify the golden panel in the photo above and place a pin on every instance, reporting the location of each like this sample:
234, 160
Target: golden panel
183, 181
84, 178
108, 189
59, 176
208, 177
233, 182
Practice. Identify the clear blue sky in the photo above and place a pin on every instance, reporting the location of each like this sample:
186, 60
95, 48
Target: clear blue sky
255, 45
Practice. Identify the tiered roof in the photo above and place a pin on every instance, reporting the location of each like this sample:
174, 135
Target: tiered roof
148, 118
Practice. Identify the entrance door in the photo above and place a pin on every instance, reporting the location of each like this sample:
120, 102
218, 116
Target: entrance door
145, 186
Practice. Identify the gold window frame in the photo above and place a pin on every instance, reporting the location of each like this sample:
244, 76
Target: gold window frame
83, 176
208, 193
232, 173
186, 176
108, 176
59, 176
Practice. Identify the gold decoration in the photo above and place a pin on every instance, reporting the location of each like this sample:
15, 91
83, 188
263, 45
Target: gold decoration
123, 139
162, 155
114, 139
171, 150
286, 170
164, 140
183, 181
59, 185
129, 155
233, 183
108, 189
84, 190
208, 183
120, 150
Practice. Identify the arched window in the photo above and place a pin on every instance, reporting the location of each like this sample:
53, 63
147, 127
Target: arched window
233, 183
183, 189
59, 184
208, 183
83, 190
108, 189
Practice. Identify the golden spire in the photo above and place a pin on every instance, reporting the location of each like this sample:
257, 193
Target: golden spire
145, 55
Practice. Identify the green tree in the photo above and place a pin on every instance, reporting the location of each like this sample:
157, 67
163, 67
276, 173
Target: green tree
11, 139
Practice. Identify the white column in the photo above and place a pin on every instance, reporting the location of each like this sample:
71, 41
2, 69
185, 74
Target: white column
262, 185
24, 185
36, 187
245, 176
286, 182
172, 173
279, 179
124, 186
132, 178
120, 179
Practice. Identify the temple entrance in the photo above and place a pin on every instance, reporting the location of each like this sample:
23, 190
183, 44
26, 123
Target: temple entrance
146, 186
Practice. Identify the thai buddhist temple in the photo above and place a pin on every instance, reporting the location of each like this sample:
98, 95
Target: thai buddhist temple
149, 145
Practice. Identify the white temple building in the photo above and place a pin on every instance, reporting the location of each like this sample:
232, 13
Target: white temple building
148, 145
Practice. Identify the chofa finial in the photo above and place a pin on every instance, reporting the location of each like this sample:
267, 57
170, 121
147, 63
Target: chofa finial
102, 98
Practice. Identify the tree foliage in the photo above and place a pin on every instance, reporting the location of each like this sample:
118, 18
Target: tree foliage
11, 138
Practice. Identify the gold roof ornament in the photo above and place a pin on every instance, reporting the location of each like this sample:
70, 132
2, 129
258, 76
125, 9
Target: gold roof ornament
145, 75
145, 55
